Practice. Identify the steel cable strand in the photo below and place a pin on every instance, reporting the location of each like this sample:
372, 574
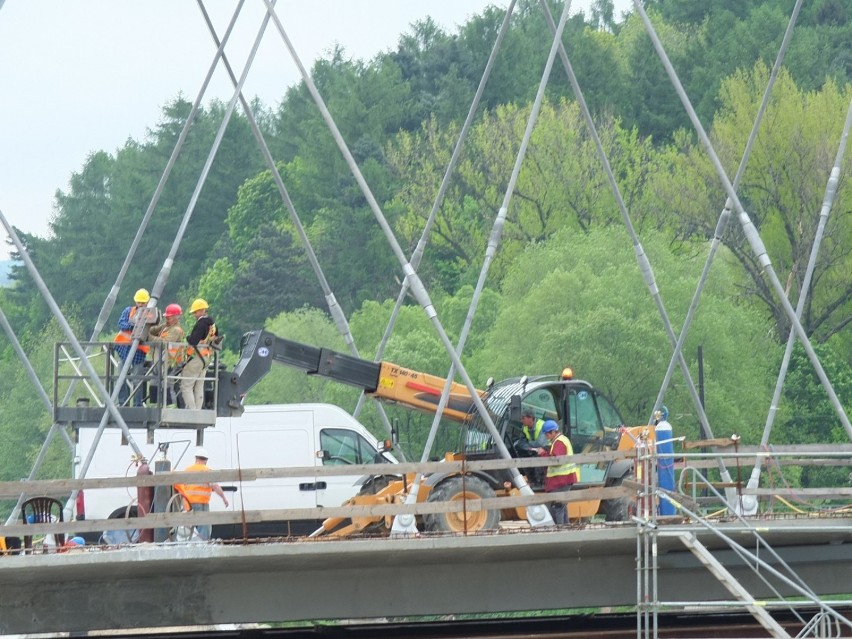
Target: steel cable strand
418, 289
417, 255
336, 312
749, 230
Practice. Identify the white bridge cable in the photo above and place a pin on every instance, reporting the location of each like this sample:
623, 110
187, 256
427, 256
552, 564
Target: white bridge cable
334, 308
31, 374
641, 258
490, 251
828, 201
111, 408
110, 300
417, 287
162, 277
749, 230
417, 255
725, 214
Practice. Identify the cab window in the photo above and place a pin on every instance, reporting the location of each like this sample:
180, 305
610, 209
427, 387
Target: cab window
345, 447
543, 403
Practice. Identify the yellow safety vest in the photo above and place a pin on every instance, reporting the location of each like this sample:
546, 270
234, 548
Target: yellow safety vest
563, 469
533, 436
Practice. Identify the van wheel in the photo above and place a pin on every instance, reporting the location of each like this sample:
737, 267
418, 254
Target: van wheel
460, 488
623, 508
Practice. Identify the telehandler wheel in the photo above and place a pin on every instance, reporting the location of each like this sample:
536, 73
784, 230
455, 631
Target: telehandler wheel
116, 537
623, 508
458, 488
374, 484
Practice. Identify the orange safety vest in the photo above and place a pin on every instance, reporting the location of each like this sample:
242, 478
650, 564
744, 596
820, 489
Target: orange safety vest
123, 337
203, 346
195, 493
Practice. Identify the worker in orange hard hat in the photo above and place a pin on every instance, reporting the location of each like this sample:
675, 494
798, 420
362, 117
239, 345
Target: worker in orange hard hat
170, 335
135, 374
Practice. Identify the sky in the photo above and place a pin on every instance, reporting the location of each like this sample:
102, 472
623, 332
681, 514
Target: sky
83, 75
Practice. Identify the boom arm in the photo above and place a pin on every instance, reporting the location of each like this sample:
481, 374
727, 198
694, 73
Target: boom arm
382, 380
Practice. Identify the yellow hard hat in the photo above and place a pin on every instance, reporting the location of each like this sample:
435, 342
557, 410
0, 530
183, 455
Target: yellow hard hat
142, 296
198, 305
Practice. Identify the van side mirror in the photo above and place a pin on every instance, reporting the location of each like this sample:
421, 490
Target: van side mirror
324, 455
515, 409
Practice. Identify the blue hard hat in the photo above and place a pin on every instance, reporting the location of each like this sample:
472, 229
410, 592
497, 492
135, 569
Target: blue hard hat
549, 426
664, 411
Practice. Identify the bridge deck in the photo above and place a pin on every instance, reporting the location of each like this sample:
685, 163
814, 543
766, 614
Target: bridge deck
285, 580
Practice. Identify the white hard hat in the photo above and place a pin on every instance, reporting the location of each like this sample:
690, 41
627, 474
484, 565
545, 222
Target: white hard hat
201, 452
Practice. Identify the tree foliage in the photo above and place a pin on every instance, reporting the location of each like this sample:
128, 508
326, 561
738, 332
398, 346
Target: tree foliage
563, 285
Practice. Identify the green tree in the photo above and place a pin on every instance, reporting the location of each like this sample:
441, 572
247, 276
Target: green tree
782, 191
579, 300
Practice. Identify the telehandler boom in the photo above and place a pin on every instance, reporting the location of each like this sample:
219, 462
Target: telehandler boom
586, 416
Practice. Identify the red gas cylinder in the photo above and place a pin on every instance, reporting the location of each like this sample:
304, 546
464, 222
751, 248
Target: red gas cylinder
144, 500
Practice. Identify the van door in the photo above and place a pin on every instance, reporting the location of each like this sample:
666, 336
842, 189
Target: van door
342, 447
266, 441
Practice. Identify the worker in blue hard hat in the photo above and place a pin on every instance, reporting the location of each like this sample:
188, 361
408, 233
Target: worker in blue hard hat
561, 477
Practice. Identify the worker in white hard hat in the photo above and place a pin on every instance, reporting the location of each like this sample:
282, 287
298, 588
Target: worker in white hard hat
197, 496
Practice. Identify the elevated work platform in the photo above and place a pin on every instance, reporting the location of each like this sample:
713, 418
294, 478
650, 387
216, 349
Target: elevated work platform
83, 406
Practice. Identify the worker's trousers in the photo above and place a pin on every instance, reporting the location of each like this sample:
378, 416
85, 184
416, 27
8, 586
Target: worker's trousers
192, 383
559, 509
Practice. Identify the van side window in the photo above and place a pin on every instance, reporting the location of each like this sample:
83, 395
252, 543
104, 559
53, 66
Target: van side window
345, 447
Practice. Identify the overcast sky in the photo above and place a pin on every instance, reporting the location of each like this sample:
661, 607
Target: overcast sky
84, 75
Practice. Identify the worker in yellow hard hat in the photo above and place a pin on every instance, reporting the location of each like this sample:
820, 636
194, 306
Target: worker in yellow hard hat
126, 323
198, 355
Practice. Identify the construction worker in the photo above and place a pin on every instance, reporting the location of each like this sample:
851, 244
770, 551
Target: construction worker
562, 477
198, 495
171, 334
198, 353
126, 323
532, 441
532, 428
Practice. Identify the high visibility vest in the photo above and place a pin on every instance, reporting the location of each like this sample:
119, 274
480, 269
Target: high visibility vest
563, 469
203, 349
534, 435
124, 337
195, 493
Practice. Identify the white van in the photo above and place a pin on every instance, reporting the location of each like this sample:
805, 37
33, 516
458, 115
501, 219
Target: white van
265, 436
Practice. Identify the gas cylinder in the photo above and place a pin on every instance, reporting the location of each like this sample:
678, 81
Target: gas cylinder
162, 494
144, 501
665, 463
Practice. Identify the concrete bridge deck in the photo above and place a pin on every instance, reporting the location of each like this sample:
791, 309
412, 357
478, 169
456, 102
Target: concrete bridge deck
521, 569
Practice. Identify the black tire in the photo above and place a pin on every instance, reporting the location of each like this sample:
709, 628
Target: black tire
375, 484
621, 509
458, 488
114, 537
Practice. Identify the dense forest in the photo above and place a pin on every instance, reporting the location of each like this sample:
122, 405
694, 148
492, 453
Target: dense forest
564, 287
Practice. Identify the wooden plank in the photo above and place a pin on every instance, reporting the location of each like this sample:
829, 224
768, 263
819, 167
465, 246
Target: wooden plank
168, 520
